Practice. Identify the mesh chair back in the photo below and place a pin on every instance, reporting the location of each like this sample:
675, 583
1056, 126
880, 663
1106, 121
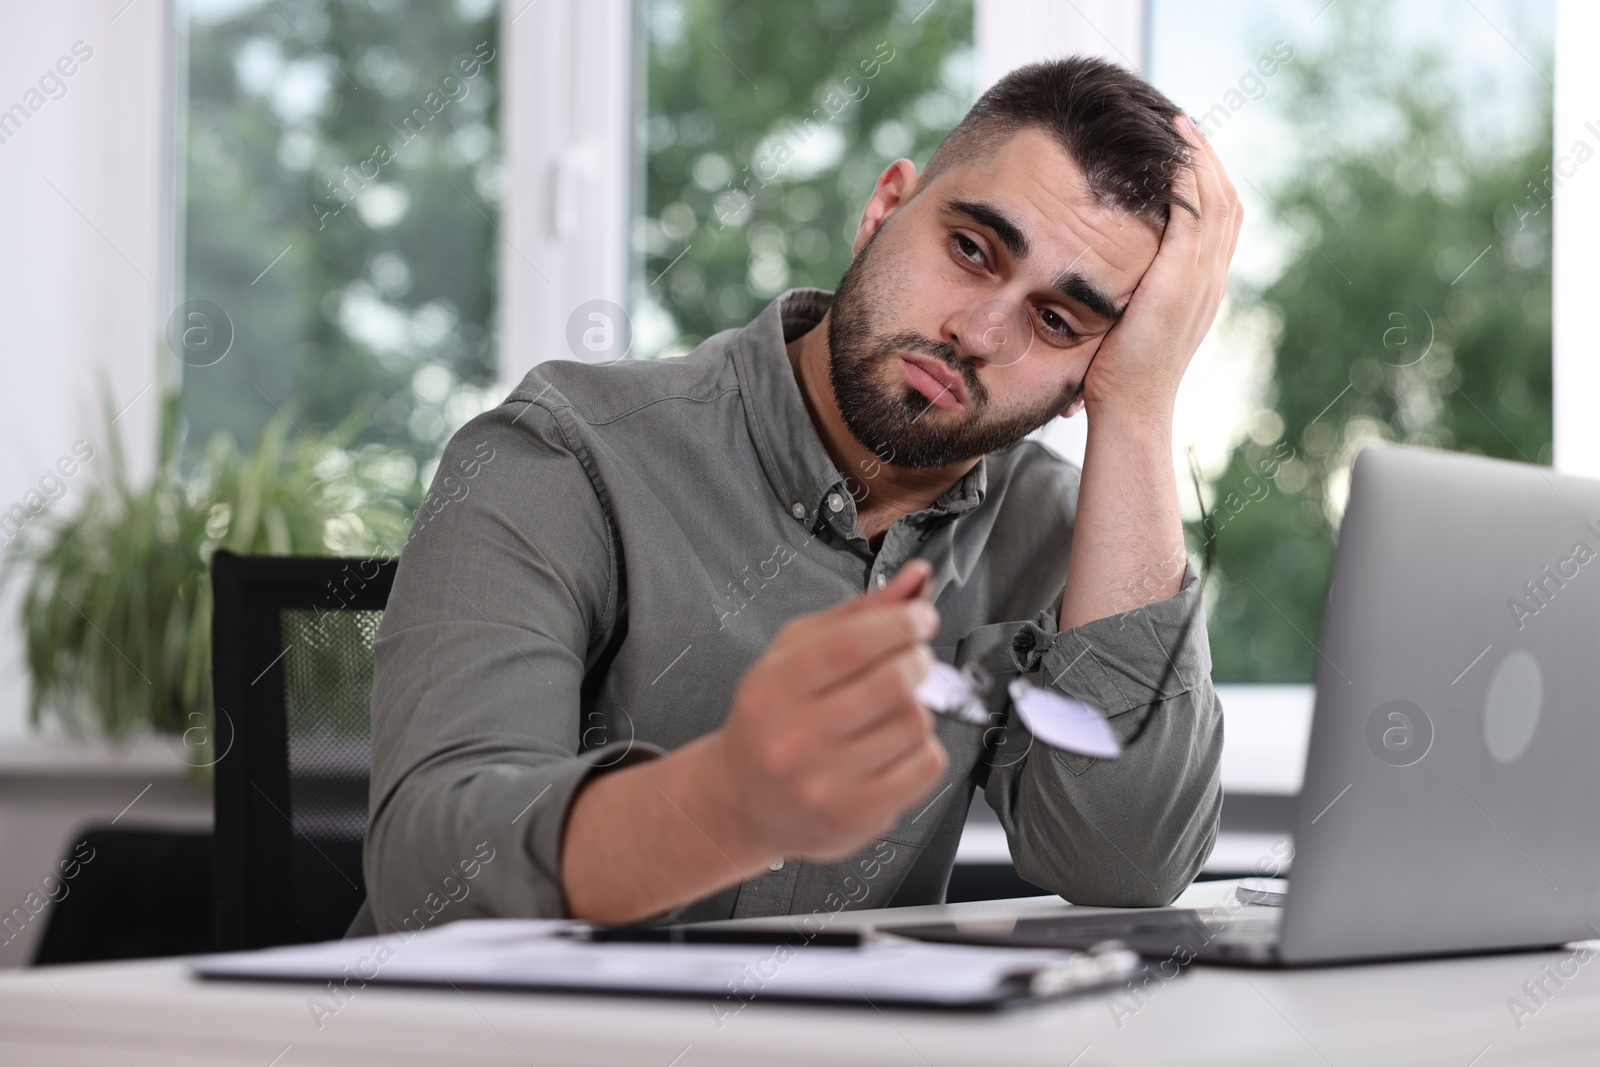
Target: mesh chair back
292, 680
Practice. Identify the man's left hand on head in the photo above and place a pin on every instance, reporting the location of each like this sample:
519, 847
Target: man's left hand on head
1143, 358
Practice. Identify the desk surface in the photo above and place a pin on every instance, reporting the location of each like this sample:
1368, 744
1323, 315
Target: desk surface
1442, 1012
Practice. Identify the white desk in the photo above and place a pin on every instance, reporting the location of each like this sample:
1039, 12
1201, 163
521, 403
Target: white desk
1436, 1013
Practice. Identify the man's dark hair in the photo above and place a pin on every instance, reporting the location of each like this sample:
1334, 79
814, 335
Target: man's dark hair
1113, 124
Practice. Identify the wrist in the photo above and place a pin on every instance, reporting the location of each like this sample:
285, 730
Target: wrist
1148, 414
1137, 433
719, 807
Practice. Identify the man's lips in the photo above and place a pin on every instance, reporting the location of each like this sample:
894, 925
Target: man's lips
934, 380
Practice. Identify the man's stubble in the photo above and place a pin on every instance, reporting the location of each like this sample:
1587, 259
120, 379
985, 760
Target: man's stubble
881, 410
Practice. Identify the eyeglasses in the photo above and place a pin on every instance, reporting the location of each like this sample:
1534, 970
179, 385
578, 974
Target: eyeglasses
1062, 722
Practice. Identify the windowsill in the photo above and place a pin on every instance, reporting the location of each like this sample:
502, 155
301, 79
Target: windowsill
984, 844
1268, 729
50, 757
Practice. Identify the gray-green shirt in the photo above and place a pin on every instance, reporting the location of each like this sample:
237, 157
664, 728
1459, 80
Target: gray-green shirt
604, 555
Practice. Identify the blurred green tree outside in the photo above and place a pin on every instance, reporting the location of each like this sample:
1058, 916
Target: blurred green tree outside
1415, 308
341, 166
765, 127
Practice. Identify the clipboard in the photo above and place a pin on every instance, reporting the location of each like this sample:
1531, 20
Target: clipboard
543, 956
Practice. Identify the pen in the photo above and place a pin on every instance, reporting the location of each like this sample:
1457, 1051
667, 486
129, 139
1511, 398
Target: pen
688, 935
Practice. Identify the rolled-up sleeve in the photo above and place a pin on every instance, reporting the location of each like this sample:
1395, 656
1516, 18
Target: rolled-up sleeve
506, 593
1127, 832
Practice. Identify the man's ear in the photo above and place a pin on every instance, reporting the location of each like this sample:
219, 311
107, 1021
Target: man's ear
896, 185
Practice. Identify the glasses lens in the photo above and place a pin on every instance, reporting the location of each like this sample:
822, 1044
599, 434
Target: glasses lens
945, 692
1064, 723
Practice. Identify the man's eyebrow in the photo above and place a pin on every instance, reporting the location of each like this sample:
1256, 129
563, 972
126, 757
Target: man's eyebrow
988, 215
1069, 283
1074, 286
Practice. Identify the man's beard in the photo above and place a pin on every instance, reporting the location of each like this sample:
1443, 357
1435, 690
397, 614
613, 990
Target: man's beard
883, 411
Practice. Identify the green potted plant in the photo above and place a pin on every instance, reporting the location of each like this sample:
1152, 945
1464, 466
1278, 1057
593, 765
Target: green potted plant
116, 601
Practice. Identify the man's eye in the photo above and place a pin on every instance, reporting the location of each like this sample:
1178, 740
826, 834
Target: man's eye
1057, 325
968, 249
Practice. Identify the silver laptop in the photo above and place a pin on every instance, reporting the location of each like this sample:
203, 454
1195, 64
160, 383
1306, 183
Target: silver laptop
1450, 795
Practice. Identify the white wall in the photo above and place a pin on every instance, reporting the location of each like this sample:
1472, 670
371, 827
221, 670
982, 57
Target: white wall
84, 249
85, 283
1010, 33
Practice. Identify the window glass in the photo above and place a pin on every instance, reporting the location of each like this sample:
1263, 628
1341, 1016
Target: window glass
763, 129
1392, 282
341, 176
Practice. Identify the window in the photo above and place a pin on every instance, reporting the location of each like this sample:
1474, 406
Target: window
764, 127
341, 167
1392, 282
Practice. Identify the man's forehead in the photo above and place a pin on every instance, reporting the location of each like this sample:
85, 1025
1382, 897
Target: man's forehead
1031, 181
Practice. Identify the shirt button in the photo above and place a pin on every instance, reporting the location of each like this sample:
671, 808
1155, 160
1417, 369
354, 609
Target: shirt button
835, 502
775, 865
879, 581
798, 510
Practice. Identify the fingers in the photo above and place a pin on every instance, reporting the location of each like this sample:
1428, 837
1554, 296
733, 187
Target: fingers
909, 581
1186, 183
826, 739
1205, 177
815, 659
892, 738
1215, 234
1238, 226
821, 649
1204, 159
1183, 244
1221, 196
877, 693
909, 777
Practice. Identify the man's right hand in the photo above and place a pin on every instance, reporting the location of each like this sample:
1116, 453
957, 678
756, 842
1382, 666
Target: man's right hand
823, 749
825, 745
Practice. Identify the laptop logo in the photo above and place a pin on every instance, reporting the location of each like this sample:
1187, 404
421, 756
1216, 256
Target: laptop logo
1399, 733
1512, 705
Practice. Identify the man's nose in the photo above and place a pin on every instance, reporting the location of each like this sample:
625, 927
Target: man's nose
998, 332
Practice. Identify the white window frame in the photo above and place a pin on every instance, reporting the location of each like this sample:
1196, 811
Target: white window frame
566, 121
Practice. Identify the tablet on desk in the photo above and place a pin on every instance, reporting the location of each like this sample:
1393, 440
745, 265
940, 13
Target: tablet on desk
1226, 935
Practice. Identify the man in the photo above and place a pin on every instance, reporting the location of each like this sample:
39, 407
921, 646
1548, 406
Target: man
630, 658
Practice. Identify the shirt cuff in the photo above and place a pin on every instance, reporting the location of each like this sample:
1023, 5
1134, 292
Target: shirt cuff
1117, 663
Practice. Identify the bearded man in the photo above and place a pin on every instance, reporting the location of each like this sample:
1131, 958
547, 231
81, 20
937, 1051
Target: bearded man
662, 656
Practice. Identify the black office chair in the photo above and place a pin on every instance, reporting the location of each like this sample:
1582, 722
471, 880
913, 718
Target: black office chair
292, 678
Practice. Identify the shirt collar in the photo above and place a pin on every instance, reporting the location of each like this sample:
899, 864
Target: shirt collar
792, 454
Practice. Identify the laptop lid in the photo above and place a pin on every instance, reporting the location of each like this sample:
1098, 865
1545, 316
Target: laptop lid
1450, 800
